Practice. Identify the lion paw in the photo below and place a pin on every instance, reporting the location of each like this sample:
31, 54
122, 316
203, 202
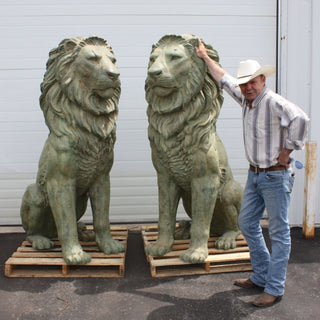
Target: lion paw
183, 231
75, 255
196, 255
157, 248
40, 242
227, 240
110, 246
84, 234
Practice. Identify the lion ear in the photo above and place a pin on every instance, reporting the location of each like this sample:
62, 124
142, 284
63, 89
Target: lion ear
193, 41
70, 45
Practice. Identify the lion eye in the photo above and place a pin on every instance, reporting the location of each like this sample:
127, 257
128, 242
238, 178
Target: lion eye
113, 60
94, 58
174, 57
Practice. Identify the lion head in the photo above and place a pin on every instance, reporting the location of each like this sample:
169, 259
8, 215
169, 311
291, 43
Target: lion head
175, 73
81, 87
181, 93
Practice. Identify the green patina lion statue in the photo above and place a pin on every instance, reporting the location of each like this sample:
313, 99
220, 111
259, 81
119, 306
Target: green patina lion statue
79, 99
191, 163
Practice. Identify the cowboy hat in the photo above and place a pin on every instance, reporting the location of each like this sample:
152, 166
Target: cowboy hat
250, 69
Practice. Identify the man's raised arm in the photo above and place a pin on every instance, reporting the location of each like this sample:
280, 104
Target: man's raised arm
216, 71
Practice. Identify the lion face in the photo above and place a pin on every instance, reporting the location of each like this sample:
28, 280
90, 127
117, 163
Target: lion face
96, 71
81, 87
92, 78
175, 74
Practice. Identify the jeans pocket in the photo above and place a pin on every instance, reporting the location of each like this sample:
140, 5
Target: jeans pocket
291, 178
274, 176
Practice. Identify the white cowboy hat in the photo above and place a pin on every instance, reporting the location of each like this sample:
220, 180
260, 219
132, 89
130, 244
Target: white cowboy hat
250, 69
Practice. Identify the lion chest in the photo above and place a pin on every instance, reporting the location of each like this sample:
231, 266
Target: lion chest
90, 168
82, 162
176, 157
92, 163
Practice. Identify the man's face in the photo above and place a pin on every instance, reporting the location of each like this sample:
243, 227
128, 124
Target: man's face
252, 88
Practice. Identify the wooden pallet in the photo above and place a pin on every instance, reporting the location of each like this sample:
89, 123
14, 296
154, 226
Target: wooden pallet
218, 261
28, 262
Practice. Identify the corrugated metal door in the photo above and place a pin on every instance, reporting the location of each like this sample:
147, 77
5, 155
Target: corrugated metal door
29, 29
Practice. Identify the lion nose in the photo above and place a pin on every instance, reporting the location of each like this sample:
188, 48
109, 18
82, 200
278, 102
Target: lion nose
154, 72
113, 75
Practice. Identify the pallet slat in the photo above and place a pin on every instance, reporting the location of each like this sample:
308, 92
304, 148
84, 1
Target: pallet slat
36, 261
218, 261
28, 262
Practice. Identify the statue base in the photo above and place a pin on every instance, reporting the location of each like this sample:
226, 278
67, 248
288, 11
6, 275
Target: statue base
218, 261
27, 262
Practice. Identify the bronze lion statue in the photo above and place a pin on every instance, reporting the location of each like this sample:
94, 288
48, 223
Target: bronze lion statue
191, 162
79, 98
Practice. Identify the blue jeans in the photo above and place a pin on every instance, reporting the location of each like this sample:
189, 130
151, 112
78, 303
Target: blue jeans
271, 191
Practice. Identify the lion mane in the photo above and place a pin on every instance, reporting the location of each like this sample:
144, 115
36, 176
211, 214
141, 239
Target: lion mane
73, 110
84, 120
190, 113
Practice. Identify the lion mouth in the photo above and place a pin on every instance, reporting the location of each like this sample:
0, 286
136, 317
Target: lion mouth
106, 90
163, 90
107, 93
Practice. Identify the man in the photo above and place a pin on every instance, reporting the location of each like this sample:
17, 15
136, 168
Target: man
272, 128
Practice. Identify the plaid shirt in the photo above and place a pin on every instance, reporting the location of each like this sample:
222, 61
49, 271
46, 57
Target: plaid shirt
271, 124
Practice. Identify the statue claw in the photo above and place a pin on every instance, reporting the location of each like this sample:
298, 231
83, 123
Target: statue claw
195, 255
40, 242
75, 255
158, 248
109, 246
227, 240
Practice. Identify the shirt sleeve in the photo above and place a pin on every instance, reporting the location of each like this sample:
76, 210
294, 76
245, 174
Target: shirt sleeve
297, 132
296, 122
229, 84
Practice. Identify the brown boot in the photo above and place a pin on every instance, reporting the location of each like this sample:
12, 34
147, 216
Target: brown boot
266, 300
246, 283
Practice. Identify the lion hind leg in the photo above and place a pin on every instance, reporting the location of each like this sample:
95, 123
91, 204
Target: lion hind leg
225, 224
225, 217
37, 219
183, 230
84, 234
40, 242
227, 240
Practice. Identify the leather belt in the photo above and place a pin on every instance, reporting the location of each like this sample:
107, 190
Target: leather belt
273, 168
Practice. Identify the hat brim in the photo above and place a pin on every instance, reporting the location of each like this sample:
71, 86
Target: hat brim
267, 71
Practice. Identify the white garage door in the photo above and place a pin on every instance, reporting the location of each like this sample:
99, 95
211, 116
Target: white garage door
29, 29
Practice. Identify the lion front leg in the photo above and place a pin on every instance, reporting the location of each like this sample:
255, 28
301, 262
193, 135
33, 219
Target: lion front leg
204, 193
62, 199
169, 195
100, 200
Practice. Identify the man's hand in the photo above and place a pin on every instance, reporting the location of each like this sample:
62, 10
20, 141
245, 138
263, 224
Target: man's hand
284, 157
201, 50
216, 71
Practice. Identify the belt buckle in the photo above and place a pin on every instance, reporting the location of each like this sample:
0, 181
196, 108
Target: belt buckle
254, 169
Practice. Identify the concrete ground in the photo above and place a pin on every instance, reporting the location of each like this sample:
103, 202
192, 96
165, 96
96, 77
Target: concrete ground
138, 296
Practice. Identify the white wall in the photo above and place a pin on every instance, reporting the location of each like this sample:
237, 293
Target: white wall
299, 70
30, 29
